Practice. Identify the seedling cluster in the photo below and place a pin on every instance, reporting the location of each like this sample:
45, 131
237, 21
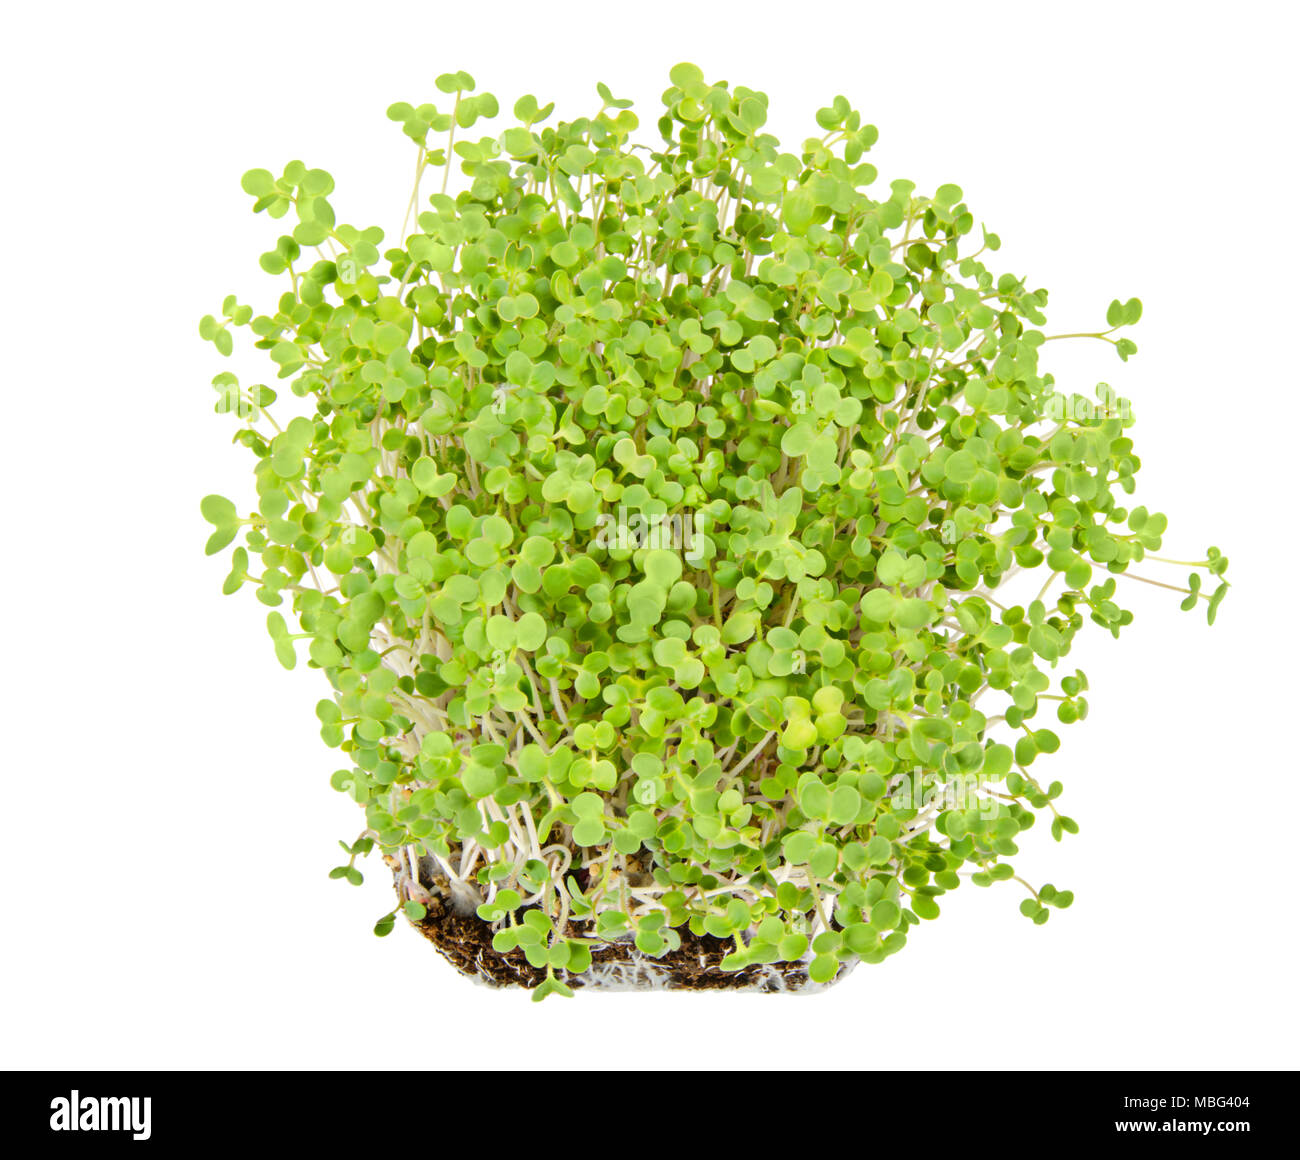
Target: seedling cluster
797, 728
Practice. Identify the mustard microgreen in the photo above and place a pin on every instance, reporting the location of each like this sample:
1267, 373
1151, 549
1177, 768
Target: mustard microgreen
654, 512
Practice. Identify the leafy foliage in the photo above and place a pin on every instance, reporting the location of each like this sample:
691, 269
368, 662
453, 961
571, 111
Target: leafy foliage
652, 512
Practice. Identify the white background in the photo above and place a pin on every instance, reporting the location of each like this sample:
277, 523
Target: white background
168, 822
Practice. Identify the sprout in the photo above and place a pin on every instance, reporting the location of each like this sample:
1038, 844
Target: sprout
654, 514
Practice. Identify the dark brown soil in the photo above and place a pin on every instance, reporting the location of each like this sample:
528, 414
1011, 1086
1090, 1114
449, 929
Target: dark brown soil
466, 942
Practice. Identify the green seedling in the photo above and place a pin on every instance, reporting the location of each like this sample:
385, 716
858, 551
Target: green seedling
657, 514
